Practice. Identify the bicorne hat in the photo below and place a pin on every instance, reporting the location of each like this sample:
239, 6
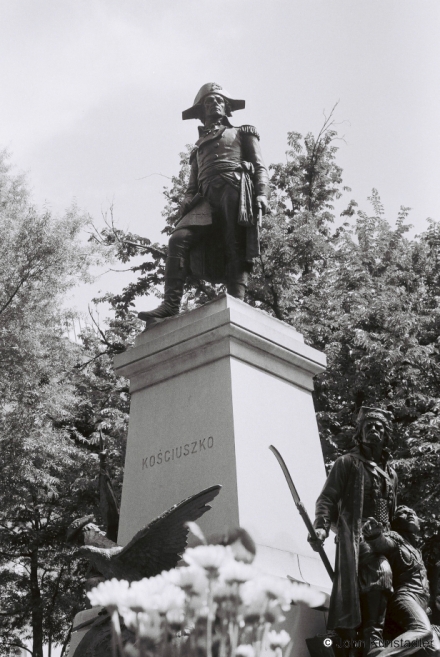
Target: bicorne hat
211, 88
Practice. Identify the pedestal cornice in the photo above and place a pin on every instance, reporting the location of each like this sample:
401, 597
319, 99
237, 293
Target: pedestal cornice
222, 328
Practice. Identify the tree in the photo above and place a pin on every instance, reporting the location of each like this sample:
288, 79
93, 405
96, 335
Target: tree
362, 292
41, 493
376, 315
297, 238
42, 471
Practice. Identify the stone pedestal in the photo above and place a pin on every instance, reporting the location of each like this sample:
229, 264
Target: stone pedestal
88, 615
211, 390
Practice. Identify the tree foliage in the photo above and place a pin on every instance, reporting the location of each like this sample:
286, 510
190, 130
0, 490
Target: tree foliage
297, 238
43, 471
375, 315
362, 292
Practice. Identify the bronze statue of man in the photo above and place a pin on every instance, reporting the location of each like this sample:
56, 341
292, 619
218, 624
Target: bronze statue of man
408, 607
361, 485
216, 238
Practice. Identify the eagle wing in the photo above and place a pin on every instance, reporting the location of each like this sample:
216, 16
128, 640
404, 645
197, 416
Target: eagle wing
160, 545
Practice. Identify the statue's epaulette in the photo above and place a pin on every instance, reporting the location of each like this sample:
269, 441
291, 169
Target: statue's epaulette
249, 130
193, 154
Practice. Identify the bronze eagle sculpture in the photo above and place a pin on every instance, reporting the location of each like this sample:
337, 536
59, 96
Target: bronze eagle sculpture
157, 547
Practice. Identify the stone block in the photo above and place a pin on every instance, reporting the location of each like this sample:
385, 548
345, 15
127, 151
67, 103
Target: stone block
211, 390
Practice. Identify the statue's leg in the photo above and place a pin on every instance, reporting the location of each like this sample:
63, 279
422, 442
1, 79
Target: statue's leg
237, 281
373, 609
407, 610
346, 645
176, 269
375, 586
175, 275
235, 241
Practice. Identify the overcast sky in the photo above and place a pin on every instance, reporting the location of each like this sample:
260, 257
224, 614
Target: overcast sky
93, 90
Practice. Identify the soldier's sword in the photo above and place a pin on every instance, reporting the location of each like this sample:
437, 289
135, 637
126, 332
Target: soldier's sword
302, 511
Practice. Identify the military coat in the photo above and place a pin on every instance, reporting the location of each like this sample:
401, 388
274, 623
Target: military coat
340, 506
230, 153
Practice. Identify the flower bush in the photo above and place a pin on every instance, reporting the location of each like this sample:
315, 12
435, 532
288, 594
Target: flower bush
215, 606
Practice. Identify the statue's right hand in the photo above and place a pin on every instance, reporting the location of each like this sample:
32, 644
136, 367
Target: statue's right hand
321, 535
372, 528
183, 208
185, 205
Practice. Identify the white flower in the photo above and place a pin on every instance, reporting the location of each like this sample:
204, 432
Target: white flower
259, 600
278, 639
149, 585
110, 594
254, 599
149, 627
196, 602
209, 557
273, 612
130, 650
195, 529
140, 596
204, 612
301, 593
175, 618
276, 589
245, 650
236, 572
172, 597
155, 593
224, 591
130, 618
192, 579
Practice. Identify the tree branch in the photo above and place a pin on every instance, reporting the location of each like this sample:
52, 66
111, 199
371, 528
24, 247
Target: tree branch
20, 645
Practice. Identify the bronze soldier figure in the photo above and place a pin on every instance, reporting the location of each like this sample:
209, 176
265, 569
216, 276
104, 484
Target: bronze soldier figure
360, 485
217, 237
408, 606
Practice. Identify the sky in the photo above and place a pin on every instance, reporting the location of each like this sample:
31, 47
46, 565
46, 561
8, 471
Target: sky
93, 90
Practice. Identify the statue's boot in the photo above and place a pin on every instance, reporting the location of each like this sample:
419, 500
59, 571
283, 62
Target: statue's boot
373, 609
346, 646
175, 275
237, 284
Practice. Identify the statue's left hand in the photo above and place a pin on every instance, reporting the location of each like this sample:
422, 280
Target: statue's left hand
262, 202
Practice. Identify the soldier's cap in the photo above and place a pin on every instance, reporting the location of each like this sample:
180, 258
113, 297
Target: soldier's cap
369, 412
211, 88
75, 527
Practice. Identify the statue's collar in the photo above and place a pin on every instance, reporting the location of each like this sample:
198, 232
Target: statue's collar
386, 454
207, 131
